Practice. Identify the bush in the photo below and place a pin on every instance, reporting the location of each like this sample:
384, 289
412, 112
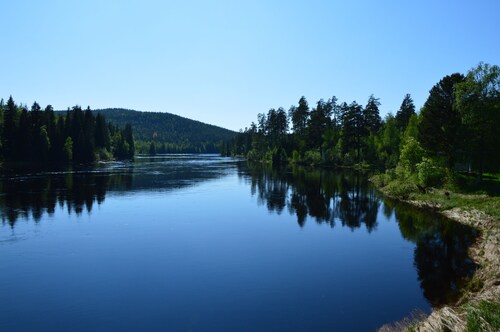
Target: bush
383, 179
401, 188
253, 155
411, 154
312, 157
103, 154
268, 156
429, 173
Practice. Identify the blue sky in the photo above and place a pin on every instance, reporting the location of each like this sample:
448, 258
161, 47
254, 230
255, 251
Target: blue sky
222, 62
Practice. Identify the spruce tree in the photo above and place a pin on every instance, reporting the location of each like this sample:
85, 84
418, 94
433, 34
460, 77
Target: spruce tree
440, 121
371, 114
405, 112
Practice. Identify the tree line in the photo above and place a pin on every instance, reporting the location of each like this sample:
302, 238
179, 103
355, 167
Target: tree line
457, 128
159, 133
42, 136
154, 147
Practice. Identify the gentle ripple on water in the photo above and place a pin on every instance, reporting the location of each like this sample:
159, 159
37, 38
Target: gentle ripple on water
190, 242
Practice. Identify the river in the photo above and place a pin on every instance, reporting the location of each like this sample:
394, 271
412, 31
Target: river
206, 243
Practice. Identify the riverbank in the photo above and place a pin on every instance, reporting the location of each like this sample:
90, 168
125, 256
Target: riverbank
478, 307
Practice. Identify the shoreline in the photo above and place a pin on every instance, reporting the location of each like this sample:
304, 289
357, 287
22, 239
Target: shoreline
485, 283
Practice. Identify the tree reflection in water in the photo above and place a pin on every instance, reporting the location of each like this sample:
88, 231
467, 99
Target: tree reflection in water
441, 252
441, 246
30, 193
33, 195
325, 196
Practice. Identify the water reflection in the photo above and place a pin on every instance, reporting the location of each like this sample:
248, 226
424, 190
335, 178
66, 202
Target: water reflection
325, 196
441, 246
440, 255
30, 193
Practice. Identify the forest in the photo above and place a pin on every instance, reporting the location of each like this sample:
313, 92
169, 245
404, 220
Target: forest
47, 137
156, 132
455, 130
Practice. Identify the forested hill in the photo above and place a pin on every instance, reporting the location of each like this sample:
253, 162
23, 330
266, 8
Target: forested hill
168, 132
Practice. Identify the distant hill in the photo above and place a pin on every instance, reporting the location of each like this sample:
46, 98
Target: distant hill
179, 134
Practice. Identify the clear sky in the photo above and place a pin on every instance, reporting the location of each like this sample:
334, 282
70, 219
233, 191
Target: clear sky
222, 62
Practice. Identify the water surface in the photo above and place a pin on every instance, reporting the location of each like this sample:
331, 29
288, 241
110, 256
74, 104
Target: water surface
204, 243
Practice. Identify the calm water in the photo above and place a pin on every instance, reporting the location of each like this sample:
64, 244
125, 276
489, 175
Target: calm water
204, 243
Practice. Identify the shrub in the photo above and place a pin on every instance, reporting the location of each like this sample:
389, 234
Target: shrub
382, 180
268, 156
401, 188
429, 173
312, 157
411, 154
253, 155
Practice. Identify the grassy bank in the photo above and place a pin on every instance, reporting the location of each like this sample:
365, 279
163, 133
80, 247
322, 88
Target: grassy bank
458, 191
474, 203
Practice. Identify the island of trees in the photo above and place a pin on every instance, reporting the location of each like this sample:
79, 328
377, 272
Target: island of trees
46, 137
456, 129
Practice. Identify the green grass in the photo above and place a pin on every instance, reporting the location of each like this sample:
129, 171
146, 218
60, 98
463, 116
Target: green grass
485, 316
462, 191
469, 184
488, 204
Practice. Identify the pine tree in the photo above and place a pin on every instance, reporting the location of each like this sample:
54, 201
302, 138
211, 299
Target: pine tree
478, 101
353, 128
299, 116
9, 129
440, 120
371, 114
405, 112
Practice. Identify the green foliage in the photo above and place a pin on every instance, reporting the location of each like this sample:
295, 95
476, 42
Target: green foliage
411, 154
180, 135
401, 188
412, 128
489, 204
318, 123
298, 116
389, 141
371, 115
43, 137
254, 155
152, 149
312, 157
439, 126
483, 316
478, 101
353, 129
405, 112
383, 179
268, 156
68, 149
457, 127
429, 173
